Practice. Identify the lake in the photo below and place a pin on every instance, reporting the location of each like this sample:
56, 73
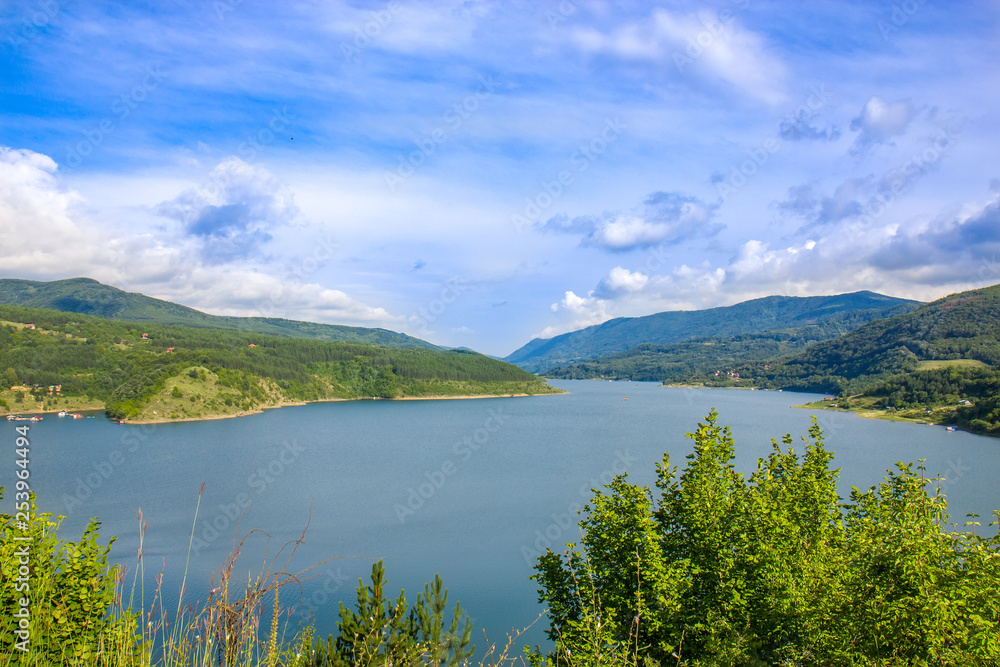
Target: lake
470, 489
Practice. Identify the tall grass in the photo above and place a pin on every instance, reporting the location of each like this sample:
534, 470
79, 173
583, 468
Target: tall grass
239, 623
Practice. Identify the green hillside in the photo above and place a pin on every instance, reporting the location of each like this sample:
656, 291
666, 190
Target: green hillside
89, 297
939, 363
158, 371
964, 326
710, 361
750, 317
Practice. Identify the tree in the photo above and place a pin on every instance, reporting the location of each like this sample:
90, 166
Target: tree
771, 569
384, 632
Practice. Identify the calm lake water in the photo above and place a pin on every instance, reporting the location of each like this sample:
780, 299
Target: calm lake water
470, 489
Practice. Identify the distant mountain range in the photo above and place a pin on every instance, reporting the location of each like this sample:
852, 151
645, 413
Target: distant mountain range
833, 315
89, 297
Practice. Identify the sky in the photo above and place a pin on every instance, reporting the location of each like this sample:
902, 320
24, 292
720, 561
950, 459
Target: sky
482, 173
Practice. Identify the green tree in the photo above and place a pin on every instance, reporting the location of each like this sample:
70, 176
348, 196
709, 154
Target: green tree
771, 569
70, 589
383, 632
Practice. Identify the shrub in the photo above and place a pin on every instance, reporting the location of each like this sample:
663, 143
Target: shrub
718, 569
70, 588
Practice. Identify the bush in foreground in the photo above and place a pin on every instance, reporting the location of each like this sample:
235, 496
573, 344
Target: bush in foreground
716, 569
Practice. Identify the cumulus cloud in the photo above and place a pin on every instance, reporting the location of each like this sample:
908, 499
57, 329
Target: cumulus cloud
45, 236
40, 229
235, 210
880, 121
714, 46
578, 312
947, 249
622, 280
664, 218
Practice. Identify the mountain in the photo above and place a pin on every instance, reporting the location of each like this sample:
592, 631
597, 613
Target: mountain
89, 297
710, 361
52, 360
959, 327
750, 317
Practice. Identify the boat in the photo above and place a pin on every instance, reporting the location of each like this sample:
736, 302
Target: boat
62, 413
952, 428
11, 418
35, 419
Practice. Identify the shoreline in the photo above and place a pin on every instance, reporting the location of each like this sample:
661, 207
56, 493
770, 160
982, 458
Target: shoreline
260, 410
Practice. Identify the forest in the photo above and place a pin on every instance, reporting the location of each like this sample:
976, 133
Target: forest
125, 365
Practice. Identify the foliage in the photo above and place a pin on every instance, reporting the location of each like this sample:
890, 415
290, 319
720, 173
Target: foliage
113, 362
70, 588
387, 632
771, 569
960, 326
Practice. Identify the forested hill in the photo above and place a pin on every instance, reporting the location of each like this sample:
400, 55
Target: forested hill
963, 326
54, 360
938, 364
710, 360
89, 297
750, 317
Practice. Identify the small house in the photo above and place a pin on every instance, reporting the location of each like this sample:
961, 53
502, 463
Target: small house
253, 344
145, 336
29, 326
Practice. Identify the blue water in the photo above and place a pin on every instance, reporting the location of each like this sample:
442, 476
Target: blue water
470, 489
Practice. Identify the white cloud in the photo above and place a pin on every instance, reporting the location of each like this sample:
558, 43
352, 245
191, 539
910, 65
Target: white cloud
880, 121
663, 218
39, 233
622, 280
234, 210
44, 236
580, 312
716, 46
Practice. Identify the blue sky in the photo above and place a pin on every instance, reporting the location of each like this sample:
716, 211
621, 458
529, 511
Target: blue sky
481, 173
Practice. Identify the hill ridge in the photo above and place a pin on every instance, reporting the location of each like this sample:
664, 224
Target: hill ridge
753, 316
87, 296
